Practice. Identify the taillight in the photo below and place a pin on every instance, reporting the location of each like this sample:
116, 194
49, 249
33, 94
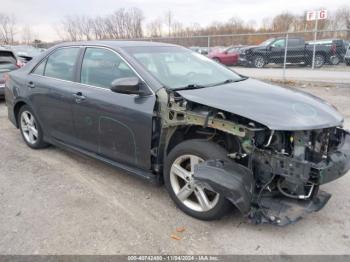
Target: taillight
20, 64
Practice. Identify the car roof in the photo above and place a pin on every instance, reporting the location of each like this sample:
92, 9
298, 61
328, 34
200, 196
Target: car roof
116, 43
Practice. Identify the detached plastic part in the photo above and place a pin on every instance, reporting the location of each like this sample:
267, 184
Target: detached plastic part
229, 179
338, 163
283, 211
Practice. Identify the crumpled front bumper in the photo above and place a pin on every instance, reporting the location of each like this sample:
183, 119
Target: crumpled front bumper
237, 184
338, 162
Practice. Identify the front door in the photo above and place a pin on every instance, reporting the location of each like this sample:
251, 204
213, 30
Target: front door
113, 125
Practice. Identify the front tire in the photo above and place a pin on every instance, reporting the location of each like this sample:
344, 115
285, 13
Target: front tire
191, 198
259, 61
319, 60
30, 128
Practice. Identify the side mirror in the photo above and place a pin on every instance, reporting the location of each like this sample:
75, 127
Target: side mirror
127, 85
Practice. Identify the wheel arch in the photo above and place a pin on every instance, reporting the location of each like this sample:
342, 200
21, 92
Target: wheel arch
19, 104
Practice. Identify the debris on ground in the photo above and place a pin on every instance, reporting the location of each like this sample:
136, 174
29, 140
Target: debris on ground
175, 237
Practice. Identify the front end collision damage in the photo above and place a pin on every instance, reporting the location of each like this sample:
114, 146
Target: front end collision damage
274, 179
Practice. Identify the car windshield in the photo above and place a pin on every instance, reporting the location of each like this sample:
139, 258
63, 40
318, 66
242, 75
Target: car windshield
177, 67
267, 42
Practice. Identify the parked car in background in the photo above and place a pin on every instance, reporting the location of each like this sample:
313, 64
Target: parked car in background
227, 56
200, 50
347, 56
8, 62
25, 52
273, 51
165, 113
338, 49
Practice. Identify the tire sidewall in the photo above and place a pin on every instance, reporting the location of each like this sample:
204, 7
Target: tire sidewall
320, 57
40, 141
258, 57
205, 150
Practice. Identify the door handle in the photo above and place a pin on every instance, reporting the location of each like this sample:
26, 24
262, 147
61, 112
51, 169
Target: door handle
79, 97
30, 84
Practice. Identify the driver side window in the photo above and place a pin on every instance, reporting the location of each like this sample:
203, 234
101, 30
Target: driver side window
278, 43
101, 67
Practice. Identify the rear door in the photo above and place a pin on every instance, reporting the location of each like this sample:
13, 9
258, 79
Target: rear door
52, 86
231, 56
295, 50
114, 125
277, 51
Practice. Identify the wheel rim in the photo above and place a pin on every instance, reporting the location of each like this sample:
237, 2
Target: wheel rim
318, 61
190, 193
259, 61
335, 60
29, 127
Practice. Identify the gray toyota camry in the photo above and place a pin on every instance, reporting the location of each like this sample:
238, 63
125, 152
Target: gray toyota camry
218, 140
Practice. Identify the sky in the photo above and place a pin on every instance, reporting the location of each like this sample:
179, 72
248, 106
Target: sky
43, 15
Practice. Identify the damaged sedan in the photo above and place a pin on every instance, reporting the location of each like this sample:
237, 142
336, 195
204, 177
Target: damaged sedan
216, 139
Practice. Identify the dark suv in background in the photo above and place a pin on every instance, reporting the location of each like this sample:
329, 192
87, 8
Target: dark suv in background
272, 51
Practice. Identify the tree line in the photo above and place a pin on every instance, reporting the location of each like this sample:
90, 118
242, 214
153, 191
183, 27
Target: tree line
130, 24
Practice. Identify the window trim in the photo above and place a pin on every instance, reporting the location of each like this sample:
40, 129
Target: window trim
78, 65
46, 57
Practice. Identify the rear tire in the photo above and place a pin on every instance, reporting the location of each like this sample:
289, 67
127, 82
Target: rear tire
216, 205
30, 128
217, 60
334, 60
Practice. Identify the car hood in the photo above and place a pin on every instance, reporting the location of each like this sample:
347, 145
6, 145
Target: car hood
276, 107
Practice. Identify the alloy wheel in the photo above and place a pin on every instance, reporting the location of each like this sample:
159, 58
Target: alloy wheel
29, 127
190, 193
259, 62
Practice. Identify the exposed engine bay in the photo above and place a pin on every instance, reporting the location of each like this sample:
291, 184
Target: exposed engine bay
271, 176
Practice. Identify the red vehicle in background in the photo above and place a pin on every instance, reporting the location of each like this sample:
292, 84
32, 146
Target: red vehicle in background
227, 56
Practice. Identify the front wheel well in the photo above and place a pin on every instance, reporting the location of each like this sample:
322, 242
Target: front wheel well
182, 133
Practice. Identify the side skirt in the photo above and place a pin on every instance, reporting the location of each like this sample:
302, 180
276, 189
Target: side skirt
144, 174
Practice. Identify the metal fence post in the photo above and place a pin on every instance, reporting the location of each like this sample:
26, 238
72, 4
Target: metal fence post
208, 44
314, 49
285, 58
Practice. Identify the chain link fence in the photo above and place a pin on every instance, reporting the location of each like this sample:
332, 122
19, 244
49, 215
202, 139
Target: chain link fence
317, 56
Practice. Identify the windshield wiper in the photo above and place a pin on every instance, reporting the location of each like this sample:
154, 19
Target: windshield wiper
196, 86
228, 81
190, 86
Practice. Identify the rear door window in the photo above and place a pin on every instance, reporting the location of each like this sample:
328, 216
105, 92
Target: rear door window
61, 64
39, 70
101, 67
